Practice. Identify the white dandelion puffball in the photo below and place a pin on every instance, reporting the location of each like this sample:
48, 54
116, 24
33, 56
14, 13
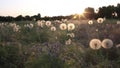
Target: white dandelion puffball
100, 20
95, 44
107, 43
48, 23
90, 22
68, 42
71, 26
63, 26
53, 28
40, 23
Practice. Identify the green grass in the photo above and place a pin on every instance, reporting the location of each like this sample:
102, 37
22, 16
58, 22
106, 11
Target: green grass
39, 47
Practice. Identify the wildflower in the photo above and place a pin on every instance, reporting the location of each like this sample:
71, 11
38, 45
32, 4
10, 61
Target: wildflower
16, 28
100, 20
63, 26
39, 23
95, 44
68, 42
58, 22
64, 20
72, 35
71, 26
12, 24
26, 25
114, 14
90, 22
31, 25
48, 23
53, 28
107, 43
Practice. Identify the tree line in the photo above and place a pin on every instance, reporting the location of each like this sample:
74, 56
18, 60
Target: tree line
110, 12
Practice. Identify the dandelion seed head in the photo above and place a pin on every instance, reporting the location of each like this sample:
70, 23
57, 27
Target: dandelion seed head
63, 26
107, 43
68, 42
48, 23
100, 20
95, 44
53, 28
90, 22
40, 23
71, 26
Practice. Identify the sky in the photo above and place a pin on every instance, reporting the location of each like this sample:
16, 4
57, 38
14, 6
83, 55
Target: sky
49, 7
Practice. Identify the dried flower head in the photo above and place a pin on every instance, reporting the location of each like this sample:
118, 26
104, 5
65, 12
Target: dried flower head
72, 35
107, 43
63, 26
100, 20
90, 22
68, 42
53, 28
95, 44
48, 23
40, 23
71, 26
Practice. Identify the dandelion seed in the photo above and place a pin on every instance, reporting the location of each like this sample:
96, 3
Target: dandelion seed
53, 28
100, 20
90, 22
48, 23
63, 26
71, 26
95, 44
107, 43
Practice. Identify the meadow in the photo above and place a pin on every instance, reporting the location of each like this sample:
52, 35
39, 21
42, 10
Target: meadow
60, 44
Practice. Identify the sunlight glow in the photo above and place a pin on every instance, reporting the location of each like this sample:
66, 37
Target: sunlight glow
49, 7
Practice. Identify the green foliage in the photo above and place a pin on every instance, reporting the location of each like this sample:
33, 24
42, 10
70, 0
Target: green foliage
46, 61
9, 57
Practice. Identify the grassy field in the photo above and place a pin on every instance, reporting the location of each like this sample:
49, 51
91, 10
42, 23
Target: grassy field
60, 44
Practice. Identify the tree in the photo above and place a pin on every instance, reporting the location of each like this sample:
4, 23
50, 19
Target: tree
19, 18
89, 13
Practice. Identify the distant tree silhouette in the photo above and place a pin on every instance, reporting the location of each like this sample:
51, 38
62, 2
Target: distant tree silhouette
118, 10
37, 17
89, 13
28, 18
6, 19
19, 18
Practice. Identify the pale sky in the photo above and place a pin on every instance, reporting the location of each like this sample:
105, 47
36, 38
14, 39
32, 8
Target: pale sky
49, 7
